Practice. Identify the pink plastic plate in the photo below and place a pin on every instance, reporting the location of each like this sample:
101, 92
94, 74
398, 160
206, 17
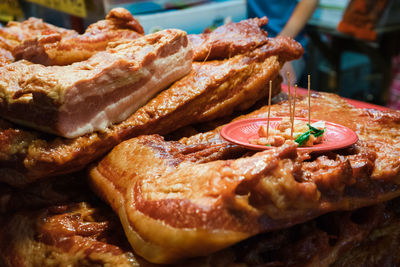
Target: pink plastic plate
240, 132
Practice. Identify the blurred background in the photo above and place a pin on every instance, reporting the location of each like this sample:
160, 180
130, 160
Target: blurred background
352, 46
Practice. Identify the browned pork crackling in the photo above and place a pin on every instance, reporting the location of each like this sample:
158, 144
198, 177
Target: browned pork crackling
199, 201
201, 194
229, 40
212, 89
237, 38
54, 47
45, 44
16, 32
89, 234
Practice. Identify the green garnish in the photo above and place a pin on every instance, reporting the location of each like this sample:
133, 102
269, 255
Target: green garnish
316, 132
302, 139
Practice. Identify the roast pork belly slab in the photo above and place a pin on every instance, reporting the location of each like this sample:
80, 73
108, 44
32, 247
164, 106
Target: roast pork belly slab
16, 32
57, 48
201, 194
89, 234
42, 43
90, 95
212, 89
229, 40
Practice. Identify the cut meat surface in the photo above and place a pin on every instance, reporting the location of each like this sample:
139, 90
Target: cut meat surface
90, 95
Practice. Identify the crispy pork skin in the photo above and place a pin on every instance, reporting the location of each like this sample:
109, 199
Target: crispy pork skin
16, 32
211, 90
193, 197
229, 40
45, 44
65, 235
91, 95
89, 234
56, 48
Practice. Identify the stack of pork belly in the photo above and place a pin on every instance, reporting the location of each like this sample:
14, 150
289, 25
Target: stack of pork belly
86, 118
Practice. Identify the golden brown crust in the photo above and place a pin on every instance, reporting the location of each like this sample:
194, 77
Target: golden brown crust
190, 191
234, 84
229, 40
57, 49
43, 43
16, 32
240, 38
73, 233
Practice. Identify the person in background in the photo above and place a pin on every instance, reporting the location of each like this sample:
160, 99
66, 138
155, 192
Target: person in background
286, 18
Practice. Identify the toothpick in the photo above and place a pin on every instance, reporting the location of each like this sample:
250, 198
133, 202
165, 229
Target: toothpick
290, 97
269, 106
309, 101
294, 109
